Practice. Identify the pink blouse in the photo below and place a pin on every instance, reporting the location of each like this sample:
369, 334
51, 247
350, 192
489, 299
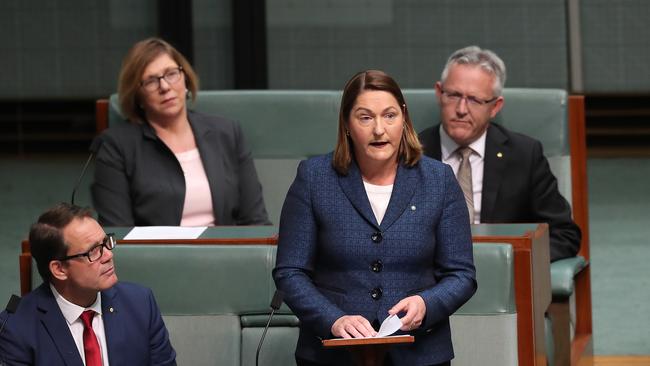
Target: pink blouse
197, 208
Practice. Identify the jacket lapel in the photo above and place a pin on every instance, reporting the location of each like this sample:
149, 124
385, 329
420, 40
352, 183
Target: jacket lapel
212, 163
497, 154
406, 182
352, 186
114, 327
57, 328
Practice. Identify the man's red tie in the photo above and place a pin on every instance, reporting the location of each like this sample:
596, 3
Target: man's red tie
91, 346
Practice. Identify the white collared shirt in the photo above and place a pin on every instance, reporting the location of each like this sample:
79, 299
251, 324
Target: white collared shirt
72, 313
476, 159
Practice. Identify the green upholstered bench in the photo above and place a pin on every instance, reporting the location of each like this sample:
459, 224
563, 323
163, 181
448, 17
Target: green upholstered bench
215, 303
284, 127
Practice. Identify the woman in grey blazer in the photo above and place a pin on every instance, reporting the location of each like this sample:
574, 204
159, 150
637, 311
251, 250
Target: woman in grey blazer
375, 229
171, 166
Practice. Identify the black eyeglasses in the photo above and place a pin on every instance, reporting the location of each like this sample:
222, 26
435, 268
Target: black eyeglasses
97, 251
171, 76
455, 97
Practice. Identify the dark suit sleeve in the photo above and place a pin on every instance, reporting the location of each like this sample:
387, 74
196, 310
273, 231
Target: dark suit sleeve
162, 352
110, 189
453, 262
253, 211
549, 206
297, 247
12, 349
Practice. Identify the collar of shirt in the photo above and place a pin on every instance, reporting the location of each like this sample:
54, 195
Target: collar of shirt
449, 146
72, 312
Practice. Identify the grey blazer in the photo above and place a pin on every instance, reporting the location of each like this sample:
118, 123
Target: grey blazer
138, 180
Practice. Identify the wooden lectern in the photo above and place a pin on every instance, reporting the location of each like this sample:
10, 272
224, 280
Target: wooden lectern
368, 351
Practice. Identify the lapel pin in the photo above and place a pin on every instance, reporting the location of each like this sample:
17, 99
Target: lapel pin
499, 155
110, 309
413, 208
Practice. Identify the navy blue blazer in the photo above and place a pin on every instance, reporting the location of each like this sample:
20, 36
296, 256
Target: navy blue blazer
333, 258
37, 334
518, 186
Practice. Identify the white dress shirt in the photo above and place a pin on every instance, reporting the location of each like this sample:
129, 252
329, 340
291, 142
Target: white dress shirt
72, 313
476, 159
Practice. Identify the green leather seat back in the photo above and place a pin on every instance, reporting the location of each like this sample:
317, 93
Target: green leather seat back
283, 127
198, 279
279, 124
484, 330
495, 277
298, 123
202, 291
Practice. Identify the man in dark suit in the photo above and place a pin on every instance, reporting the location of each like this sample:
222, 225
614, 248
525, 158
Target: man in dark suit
504, 175
81, 315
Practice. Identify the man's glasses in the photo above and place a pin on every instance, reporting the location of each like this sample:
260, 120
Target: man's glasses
171, 76
97, 251
472, 102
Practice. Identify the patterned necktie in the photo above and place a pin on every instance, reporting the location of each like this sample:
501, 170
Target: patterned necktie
465, 179
91, 346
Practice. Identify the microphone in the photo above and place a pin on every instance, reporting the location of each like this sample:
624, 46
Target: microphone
276, 302
94, 147
12, 305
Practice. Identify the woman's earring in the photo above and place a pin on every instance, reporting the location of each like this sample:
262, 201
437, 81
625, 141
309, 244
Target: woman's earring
347, 132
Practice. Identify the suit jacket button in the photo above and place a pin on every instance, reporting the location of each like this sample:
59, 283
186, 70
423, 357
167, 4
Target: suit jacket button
376, 293
377, 266
376, 237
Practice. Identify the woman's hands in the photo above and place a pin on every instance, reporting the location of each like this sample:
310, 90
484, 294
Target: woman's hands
415, 310
356, 326
352, 326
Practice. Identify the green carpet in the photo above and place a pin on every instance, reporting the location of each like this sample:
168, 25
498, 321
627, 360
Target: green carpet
619, 201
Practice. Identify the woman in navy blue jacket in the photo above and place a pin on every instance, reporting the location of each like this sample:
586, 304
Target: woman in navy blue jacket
374, 229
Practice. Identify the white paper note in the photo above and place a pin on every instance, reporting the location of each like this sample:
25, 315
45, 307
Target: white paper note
164, 232
389, 326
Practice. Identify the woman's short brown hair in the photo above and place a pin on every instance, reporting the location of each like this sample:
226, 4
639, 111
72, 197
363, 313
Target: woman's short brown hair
410, 149
134, 64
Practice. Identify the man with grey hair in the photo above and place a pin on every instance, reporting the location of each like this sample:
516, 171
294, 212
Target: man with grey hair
505, 176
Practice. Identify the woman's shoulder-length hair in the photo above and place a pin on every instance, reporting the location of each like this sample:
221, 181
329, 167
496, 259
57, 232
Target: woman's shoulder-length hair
135, 62
410, 149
